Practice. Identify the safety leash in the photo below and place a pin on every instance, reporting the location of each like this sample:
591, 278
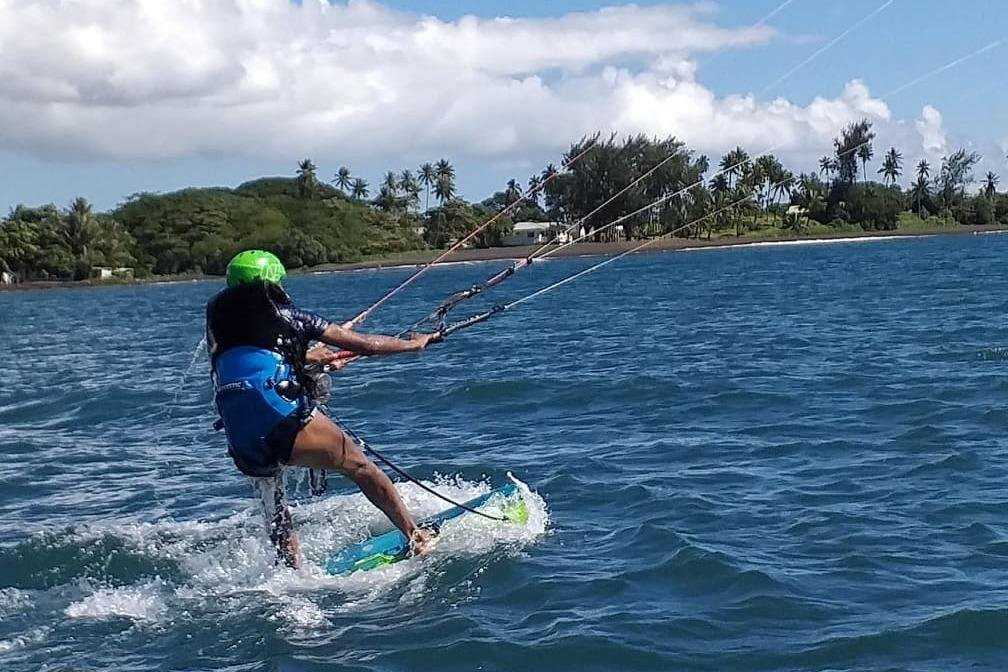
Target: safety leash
391, 465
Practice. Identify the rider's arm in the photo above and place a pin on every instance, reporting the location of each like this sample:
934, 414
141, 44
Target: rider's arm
373, 344
316, 328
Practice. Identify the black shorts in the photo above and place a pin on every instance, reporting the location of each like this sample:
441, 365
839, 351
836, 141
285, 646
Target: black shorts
275, 448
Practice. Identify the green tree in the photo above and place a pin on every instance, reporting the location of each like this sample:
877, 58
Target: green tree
386, 200
810, 195
854, 143
19, 242
783, 185
534, 192
920, 195
111, 244
80, 225
990, 185
865, 152
827, 166
359, 189
920, 190
307, 180
874, 207
956, 172
342, 179
34, 242
892, 166
444, 185
513, 192
410, 189
614, 167
733, 163
427, 178
448, 223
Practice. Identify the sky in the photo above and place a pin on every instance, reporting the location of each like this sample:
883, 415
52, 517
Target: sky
106, 98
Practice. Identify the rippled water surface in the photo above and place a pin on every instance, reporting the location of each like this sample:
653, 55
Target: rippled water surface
769, 458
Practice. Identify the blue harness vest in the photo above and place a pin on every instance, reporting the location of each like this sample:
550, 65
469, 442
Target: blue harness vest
248, 382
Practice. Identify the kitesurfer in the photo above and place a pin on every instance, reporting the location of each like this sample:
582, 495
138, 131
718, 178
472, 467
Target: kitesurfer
259, 346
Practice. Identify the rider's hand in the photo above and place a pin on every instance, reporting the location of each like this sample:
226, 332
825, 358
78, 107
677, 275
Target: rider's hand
319, 354
426, 339
422, 540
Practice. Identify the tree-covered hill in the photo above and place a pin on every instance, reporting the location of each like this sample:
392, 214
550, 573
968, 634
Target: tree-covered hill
198, 230
649, 186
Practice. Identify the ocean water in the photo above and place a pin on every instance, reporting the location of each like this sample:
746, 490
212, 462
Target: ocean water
765, 458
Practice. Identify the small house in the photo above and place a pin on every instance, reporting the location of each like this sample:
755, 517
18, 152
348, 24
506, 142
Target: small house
536, 233
109, 273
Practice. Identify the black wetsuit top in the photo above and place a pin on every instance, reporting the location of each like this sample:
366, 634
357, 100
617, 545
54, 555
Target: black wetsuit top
262, 316
262, 424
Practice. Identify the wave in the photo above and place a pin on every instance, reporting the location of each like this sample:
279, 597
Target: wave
153, 572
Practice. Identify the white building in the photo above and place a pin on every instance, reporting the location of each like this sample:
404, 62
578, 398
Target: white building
109, 273
536, 233
612, 232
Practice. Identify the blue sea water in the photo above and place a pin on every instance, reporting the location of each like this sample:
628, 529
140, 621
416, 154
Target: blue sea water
761, 458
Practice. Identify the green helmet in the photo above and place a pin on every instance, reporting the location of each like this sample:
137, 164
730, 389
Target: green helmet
252, 265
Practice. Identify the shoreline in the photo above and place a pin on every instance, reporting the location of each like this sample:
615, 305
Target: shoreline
585, 249
420, 257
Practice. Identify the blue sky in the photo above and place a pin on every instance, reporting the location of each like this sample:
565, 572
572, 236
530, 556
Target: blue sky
118, 107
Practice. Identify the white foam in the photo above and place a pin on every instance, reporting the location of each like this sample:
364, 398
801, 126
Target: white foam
464, 537
142, 603
803, 241
300, 612
33, 637
13, 600
229, 563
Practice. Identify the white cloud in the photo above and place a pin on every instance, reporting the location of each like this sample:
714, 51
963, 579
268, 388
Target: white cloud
152, 79
933, 138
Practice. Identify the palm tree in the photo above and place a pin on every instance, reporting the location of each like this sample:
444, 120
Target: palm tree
810, 196
427, 178
919, 190
990, 188
732, 163
307, 181
391, 182
784, 182
719, 184
854, 143
891, 166
513, 191
359, 189
865, 154
765, 166
534, 193
80, 225
386, 199
443, 168
444, 187
826, 166
742, 197
343, 179
410, 187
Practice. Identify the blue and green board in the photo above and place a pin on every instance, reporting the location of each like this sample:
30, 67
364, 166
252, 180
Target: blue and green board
391, 547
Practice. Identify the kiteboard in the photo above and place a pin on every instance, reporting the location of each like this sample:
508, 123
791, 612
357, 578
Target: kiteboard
392, 547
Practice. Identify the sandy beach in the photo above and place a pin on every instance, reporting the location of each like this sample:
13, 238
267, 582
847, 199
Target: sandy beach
659, 245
